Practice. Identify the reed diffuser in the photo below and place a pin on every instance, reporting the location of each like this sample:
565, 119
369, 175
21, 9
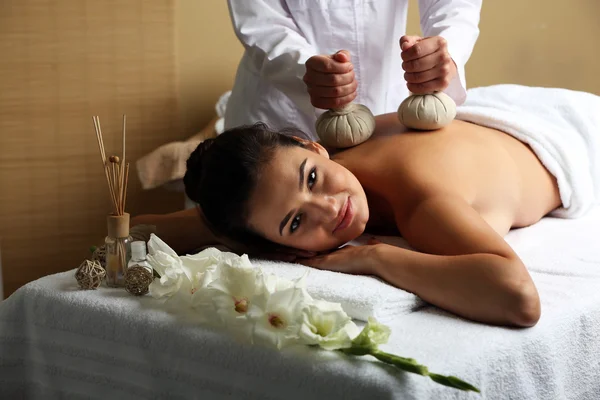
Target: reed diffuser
118, 241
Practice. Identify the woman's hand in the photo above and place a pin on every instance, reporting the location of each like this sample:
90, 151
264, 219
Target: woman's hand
427, 64
356, 260
330, 80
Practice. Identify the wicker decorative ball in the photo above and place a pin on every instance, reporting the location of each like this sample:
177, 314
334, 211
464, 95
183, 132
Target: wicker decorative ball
89, 275
99, 254
137, 280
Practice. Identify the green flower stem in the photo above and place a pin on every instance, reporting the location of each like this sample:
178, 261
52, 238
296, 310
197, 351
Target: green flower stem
356, 351
454, 382
411, 365
405, 364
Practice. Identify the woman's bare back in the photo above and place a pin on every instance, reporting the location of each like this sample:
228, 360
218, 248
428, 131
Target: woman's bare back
499, 176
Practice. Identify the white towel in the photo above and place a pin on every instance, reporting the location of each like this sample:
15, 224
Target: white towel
360, 296
561, 126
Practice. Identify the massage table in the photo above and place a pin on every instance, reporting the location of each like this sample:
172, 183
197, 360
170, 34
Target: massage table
57, 341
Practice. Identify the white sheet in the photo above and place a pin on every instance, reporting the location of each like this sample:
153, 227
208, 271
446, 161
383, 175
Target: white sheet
58, 341
361, 297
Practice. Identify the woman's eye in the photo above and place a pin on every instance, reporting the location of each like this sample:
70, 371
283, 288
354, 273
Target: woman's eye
312, 178
295, 223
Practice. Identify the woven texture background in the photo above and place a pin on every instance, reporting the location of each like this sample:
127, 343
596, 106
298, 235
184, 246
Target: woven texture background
63, 61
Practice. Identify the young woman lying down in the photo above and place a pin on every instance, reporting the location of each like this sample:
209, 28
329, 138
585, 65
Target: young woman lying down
452, 194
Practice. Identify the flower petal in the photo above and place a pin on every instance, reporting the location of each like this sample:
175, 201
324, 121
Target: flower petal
157, 244
327, 325
372, 335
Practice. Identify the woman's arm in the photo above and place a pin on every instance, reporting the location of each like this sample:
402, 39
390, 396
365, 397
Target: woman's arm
469, 269
466, 267
481, 287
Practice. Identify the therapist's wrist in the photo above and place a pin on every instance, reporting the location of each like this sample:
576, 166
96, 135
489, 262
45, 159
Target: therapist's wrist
428, 65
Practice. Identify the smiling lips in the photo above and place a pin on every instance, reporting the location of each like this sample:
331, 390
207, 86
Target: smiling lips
345, 216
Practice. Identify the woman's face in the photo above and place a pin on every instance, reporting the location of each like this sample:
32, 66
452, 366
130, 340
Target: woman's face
306, 201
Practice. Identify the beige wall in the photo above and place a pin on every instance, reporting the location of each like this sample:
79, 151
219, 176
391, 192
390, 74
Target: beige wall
207, 57
535, 43
61, 62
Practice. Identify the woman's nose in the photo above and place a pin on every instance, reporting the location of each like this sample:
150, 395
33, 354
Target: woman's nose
325, 208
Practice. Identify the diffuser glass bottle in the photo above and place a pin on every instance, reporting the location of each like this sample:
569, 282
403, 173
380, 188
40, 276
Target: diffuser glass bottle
118, 249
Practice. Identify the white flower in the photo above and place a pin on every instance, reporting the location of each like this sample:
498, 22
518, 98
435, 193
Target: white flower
202, 268
226, 288
372, 335
276, 283
327, 325
238, 287
278, 323
200, 262
180, 277
235, 261
156, 244
172, 276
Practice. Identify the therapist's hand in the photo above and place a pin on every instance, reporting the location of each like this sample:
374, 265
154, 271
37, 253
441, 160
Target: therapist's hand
330, 80
427, 64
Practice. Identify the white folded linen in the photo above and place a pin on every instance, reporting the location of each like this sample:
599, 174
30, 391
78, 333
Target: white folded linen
360, 296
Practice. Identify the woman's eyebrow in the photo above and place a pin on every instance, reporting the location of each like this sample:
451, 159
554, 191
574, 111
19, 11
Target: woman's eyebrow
301, 176
285, 219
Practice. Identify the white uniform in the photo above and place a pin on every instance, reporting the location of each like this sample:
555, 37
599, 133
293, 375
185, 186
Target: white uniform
280, 35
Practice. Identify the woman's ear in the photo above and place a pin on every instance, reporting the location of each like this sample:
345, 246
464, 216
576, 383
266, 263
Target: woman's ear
318, 148
313, 146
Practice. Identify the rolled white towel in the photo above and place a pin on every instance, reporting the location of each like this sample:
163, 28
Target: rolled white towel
360, 296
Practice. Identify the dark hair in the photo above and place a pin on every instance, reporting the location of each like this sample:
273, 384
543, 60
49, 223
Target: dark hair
222, 174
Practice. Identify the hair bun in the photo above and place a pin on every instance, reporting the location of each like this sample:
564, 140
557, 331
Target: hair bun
194, 169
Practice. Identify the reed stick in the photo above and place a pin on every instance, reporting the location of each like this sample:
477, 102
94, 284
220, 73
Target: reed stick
103, 157
101, 139
126, 181
122, 164
116, 171
116, 184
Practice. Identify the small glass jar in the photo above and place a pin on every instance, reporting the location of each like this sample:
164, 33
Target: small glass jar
118, 249
138, 256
